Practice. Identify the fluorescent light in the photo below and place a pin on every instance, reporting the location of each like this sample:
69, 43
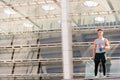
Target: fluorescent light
59, 21
100, 19
90, 3
1, 31
27, 25
9, 11
48, 7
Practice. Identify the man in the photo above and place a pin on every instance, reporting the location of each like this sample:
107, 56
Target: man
100, 46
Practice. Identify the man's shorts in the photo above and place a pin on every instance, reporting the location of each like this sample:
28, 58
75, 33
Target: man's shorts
100, 57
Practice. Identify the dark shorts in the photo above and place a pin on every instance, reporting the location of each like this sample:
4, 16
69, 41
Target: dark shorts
100, 57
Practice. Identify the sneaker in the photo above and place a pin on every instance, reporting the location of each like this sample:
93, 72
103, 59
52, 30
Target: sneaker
104, 76
96, 76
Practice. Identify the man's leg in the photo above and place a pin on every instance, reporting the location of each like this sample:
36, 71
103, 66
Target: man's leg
96, 67
104, 67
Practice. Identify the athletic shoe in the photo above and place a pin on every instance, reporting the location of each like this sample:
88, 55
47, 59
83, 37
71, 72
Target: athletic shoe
104, 76
96, 76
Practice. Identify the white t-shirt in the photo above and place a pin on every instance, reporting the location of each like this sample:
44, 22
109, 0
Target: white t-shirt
98, 43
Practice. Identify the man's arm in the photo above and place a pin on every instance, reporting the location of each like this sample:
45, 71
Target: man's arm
107, 45
94, 49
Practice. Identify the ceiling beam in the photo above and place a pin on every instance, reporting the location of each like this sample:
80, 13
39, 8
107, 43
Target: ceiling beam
75, 22
110, 4
56, 2
13, 8
58, 15
34, 3
112, 8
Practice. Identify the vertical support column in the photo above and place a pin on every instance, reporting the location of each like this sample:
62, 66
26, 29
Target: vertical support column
13, 54
66, 40
12, 39
39, 65
13, 69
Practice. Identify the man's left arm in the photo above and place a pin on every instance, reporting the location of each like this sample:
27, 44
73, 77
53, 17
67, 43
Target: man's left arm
107, 45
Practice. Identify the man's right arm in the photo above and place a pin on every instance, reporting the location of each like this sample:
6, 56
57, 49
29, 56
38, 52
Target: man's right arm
94, 49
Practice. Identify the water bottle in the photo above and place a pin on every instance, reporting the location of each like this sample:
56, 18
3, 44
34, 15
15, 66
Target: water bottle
100, 49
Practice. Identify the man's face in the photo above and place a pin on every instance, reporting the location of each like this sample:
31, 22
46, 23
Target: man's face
100, 33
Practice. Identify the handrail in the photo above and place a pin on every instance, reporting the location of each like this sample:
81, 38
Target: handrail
55, 45
44, 60
75, 28
116, 75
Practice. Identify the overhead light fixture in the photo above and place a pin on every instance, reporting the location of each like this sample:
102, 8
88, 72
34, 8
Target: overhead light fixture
9, 11
90, 3
27, 25
59, 21
100, 19
1, 31
48, 7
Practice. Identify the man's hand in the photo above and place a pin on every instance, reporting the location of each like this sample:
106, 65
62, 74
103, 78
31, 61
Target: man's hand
102, 46
93, 57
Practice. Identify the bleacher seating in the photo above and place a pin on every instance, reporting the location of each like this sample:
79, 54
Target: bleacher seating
43, 60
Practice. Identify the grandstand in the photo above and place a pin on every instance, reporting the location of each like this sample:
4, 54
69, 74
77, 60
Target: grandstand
31, 39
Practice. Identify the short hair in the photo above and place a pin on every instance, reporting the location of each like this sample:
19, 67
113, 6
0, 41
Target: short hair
99, 30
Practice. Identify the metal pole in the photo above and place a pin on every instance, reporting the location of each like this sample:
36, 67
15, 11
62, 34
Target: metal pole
66, 40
